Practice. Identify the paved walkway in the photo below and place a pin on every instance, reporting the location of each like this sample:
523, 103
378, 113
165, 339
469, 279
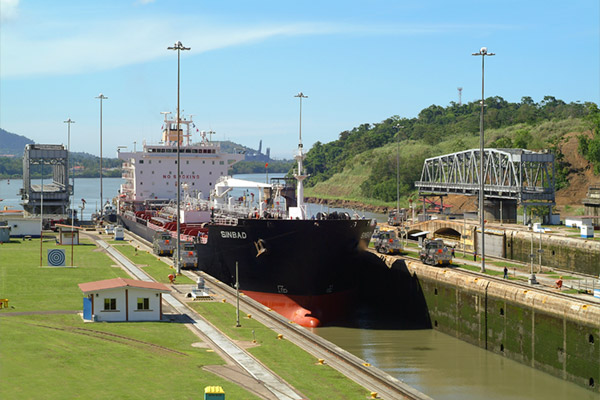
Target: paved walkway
274, 384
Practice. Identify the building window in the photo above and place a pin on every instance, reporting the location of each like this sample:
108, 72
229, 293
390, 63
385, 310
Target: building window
221, 162
152, 172
143, 303
141, 161
187, 162
203, 162
213, 163
149, 161
110, 304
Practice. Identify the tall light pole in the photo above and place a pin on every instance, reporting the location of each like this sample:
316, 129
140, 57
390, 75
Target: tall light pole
482, 52
69, 122
101, 97
300, 176
178, 46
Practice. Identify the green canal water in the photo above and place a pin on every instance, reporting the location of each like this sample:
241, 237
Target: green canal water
446, 368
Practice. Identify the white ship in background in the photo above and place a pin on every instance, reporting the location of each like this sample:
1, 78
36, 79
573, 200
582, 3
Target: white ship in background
151, 174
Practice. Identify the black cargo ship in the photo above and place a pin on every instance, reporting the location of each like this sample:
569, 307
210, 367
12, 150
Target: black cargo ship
305, 268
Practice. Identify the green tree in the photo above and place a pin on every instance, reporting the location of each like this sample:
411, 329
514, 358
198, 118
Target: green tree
522, 138
502, 142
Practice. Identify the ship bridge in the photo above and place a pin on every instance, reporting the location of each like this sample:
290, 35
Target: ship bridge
511, 177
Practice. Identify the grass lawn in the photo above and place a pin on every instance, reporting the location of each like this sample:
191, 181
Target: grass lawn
29, 287
60, 357
150, 264
297, 367
56, 356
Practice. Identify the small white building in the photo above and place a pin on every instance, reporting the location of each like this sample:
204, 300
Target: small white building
68, 235
121, 300
587, 231
577, 222
21, 226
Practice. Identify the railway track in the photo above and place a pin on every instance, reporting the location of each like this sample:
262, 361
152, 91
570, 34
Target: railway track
368, 376
538, 288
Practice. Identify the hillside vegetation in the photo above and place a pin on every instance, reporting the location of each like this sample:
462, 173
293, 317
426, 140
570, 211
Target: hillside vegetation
12, 144
12, 167
361, 165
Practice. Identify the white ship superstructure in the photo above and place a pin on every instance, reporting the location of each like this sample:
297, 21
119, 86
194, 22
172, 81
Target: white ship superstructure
151, 174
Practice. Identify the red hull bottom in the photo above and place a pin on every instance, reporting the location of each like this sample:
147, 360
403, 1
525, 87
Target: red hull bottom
307, 311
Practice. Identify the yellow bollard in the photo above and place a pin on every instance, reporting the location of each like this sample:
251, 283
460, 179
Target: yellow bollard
279, 336
366, 364
249, 316
373, 395
224, 300
321, 361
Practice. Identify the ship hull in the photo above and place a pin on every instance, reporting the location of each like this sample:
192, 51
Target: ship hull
309, 271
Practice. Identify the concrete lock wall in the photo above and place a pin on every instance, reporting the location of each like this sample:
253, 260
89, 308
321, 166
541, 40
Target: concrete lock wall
566, 253
545, 331
500, 210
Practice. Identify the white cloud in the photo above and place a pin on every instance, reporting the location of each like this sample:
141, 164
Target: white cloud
67, 47
8, 9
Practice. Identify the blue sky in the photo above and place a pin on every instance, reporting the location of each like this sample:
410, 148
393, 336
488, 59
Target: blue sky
358, 61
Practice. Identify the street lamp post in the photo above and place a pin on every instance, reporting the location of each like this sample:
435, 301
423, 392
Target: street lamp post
179, 47
101, 97
69, 122
300, 176
482, 52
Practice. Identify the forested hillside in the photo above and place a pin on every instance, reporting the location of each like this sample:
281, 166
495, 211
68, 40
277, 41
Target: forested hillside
361, 164
86, 166
12, 144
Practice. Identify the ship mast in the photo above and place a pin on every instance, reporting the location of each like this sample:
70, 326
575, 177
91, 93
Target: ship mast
300, 174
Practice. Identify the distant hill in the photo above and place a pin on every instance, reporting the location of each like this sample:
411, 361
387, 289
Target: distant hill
374, 162
12, 144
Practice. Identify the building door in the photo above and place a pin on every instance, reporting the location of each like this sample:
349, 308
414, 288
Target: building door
87, 308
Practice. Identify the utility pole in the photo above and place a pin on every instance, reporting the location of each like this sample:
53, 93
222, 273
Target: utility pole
101, 97
179, 47
482, 52
69, 121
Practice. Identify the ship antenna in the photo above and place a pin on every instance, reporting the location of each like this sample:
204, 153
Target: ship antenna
165, 113
300, 175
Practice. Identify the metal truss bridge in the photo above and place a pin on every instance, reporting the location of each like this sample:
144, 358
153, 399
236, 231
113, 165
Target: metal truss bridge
509, 174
